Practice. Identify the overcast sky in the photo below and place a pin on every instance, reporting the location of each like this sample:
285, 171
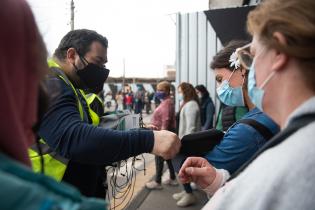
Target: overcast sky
141, 31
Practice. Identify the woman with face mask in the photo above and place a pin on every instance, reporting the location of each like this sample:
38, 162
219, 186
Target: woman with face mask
248, 135
163, 118
207, 108
234, 101
245, 137
282, 83
22, 65
189, 122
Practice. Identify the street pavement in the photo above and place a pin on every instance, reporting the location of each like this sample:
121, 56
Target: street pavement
138, 197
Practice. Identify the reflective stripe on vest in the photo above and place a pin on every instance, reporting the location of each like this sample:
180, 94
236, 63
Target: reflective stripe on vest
55, 165
89, 98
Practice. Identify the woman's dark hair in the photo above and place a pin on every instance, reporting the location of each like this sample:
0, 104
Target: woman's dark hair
203, 90
81, 40
221, 59
189, 92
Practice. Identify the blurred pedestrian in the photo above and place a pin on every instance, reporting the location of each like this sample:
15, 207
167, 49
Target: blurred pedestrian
163, 119
207, 109
189, 122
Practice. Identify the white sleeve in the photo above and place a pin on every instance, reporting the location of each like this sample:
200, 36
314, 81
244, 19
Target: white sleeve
221, 177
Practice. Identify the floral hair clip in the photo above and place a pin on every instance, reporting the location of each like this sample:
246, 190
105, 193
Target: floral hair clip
234, 60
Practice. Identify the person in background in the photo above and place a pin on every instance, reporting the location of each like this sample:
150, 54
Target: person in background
147, 102
281, 82
139, 100
120, 101
163, 119
129, 100
189, 122
207, 109
108, 101
22, 66
156, 101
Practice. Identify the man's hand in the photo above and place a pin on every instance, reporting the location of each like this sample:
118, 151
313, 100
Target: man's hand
198, 170
151, 127
166, 144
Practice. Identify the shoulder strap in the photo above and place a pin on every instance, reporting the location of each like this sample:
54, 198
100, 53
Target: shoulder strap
261, 128
294, 126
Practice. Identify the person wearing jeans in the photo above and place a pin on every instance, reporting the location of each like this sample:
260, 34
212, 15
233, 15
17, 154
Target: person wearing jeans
163, 119
189, 122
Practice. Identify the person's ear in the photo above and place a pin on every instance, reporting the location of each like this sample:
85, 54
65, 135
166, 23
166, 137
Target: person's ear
71, 52
280, 59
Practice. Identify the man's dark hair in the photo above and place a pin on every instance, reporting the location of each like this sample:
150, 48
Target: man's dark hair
81, 40
221, 59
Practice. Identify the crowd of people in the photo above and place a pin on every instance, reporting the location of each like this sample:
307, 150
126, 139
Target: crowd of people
53, 152
134, 102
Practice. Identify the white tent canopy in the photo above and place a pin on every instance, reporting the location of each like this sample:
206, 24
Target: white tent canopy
148, 87
106, 88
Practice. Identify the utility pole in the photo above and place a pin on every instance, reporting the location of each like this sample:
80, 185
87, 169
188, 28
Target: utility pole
72, 15
124, 75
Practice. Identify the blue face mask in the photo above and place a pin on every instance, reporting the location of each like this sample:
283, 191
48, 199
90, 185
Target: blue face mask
180, 97
256, 94
160, 95
230, 96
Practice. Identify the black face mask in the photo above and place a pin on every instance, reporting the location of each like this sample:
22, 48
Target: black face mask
92, 76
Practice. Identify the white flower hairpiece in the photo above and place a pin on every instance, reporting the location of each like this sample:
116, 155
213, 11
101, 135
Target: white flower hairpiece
234, 61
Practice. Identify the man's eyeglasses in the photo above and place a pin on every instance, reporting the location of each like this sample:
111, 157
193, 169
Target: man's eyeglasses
244, 56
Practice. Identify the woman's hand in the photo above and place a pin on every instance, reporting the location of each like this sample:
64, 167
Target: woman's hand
198, 170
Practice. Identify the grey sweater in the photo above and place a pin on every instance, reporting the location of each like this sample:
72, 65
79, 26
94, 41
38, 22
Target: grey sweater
282, 177
189, 119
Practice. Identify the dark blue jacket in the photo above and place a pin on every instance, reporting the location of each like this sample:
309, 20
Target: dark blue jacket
240, 142
88, 147
207, 110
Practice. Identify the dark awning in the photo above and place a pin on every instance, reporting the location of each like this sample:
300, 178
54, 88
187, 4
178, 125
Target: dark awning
229, 23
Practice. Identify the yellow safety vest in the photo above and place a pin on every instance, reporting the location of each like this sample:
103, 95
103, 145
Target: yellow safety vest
89, 98
56, 165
